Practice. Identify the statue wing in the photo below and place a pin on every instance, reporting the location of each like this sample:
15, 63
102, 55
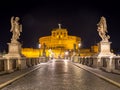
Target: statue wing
12, 23
103, 20
105, 26
20, 28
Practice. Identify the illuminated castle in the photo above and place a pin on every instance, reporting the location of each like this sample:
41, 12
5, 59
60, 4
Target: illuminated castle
59, 42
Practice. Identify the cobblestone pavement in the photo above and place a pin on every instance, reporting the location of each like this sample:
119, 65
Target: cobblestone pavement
7, 77
113, 76
60, 75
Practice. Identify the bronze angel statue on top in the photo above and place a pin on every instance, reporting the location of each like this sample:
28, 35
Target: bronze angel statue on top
16, 28
102, 29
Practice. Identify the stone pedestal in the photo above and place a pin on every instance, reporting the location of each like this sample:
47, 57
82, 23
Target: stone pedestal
14, 50
104, 52
104, 49
14, 57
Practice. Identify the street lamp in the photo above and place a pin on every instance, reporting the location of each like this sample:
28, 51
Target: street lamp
79, 45
39, 46
44, 48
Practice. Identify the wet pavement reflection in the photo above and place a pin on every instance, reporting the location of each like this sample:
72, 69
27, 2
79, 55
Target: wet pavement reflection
60, 75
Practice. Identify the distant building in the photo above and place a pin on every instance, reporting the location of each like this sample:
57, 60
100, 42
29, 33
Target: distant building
57, 44
30, 52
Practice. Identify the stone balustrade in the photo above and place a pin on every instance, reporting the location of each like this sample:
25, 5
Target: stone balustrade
107, 63
8, 65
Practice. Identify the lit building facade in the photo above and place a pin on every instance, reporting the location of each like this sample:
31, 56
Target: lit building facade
58, 45
30, 52
59, 42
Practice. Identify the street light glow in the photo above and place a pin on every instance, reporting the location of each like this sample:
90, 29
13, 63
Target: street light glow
66, 53
39, 45
79, 45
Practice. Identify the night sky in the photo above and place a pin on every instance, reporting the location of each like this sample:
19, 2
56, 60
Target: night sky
80, 18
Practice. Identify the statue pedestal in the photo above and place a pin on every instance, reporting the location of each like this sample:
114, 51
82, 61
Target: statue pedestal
104, 49
14, 57
104, 52
14, 50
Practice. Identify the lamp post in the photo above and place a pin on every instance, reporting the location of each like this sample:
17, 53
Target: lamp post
39, 49
44, 48
79, 45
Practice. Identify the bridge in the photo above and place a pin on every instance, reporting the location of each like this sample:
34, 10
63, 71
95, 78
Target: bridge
60, 74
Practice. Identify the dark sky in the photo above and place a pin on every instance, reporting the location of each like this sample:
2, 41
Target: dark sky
79, 17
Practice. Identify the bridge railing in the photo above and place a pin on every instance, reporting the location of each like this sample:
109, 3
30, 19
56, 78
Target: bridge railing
107, 63
8, 65
2, 63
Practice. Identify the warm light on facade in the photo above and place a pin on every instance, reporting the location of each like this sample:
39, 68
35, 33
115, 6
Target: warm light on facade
59, 41
57, 44
30, 52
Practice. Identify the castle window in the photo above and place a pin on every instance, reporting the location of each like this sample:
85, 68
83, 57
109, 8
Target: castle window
53, 34
59, 36
64, 34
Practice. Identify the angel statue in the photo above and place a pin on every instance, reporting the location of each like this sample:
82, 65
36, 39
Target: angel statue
16, 28
102, 29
